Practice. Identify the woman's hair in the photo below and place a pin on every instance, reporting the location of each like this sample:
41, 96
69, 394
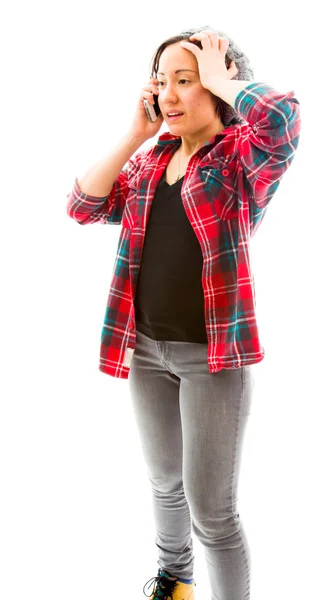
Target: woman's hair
226, 112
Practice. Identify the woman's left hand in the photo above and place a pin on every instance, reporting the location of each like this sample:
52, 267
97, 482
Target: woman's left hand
211, 59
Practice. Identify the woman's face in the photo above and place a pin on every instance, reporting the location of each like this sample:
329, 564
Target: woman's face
183, 92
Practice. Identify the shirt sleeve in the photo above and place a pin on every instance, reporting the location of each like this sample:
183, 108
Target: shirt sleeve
87, 209
269, 141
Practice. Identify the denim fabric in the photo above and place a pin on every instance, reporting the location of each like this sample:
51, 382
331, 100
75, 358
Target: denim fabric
191, 425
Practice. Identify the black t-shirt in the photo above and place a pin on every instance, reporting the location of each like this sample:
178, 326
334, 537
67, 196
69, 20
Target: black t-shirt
169, 301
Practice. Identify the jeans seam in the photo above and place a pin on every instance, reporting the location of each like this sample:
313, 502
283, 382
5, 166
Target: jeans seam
164, 348
234, 462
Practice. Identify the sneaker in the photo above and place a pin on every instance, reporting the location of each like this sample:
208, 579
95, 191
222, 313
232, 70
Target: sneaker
169, 588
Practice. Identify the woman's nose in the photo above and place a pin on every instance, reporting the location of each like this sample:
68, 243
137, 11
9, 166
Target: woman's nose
168, 93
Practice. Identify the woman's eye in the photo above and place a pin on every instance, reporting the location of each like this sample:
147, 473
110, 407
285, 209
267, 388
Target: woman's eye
159, 82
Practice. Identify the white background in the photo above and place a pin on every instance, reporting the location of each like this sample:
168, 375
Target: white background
76, 515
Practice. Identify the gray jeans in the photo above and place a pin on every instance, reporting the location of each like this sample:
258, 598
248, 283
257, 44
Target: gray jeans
191, 425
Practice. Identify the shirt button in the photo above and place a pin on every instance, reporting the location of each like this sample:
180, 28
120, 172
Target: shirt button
131, 326
225, 172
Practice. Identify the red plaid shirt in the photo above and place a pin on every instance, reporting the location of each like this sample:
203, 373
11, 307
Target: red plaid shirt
227, 188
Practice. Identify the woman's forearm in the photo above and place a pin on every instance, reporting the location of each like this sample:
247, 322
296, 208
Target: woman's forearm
228, 89
98, 180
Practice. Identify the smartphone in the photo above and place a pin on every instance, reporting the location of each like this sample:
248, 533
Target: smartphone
152, 110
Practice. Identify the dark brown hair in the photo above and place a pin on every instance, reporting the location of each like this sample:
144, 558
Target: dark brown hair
227, 114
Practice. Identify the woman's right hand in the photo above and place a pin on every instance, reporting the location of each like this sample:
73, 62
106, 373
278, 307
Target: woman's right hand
141, 126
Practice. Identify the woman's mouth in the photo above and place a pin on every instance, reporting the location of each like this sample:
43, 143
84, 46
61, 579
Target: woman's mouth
174, 117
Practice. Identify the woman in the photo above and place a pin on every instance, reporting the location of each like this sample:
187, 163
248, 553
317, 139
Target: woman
180, 322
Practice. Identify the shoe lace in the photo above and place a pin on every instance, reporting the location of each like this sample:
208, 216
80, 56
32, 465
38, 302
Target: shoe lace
164, 587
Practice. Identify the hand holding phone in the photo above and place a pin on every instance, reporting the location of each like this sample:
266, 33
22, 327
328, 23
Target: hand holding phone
148, 118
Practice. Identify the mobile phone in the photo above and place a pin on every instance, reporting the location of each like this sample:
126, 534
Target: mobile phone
152, 110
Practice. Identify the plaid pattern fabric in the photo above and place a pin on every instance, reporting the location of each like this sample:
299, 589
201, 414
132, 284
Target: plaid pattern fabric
226, 191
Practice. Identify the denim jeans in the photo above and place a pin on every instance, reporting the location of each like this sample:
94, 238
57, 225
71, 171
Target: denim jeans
191, 425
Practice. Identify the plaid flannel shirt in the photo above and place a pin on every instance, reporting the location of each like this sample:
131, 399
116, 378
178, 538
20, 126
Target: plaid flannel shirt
227, 188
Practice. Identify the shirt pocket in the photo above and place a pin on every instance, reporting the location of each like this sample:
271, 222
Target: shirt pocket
219, 178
